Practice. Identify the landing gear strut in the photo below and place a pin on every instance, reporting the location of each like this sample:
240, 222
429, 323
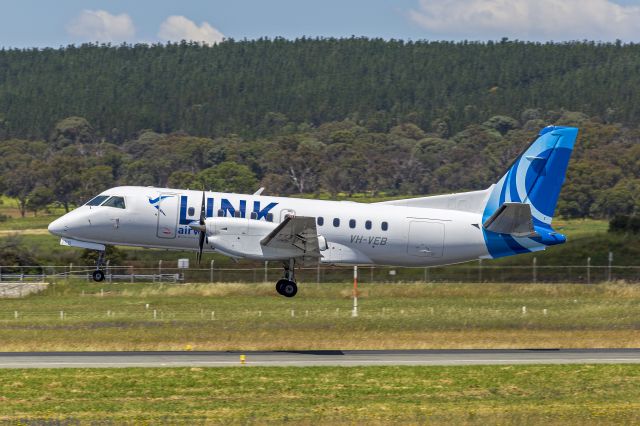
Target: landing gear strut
287, 286
98, 274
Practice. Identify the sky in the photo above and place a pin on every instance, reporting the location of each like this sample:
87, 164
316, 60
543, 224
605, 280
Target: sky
45, 23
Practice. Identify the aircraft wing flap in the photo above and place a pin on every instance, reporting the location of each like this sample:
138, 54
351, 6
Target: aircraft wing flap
511, 218
298, 233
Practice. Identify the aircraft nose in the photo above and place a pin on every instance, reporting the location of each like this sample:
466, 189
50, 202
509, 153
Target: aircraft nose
58, 227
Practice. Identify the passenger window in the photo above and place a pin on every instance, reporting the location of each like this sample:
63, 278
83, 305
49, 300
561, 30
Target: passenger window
385, 226
352, 223
117, 202
367, 224
336, 222
320, 221
269, 217
220, 213
254, 215
191, 211
96, 201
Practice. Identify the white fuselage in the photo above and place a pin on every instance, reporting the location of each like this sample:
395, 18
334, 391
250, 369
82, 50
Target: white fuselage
160, 218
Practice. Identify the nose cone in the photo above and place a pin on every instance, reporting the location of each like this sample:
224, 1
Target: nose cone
58, 227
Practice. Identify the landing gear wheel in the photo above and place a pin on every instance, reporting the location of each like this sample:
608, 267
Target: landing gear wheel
289, 289
287, 286
98, 275
279, 286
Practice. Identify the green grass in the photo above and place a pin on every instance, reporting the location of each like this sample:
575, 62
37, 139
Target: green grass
579, 228
254, 317
28, 222
9, 207
566, 394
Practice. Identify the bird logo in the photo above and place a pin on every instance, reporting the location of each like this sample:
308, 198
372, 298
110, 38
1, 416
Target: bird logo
155, 202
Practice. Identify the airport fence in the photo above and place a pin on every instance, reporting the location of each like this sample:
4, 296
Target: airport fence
272, 271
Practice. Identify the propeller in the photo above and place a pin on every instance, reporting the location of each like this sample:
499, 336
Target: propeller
201, 228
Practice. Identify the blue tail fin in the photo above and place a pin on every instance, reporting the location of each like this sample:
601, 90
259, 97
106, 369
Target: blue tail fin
534, 178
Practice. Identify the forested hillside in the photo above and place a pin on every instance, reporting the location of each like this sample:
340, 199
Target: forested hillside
320, 117
255, 88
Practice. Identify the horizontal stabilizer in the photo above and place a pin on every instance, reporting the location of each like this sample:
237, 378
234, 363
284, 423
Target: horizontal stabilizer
511, 218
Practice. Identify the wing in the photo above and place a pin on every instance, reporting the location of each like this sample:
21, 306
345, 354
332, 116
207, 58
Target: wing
298, 233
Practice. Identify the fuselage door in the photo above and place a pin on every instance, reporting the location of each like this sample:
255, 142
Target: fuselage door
167, 215
426, 239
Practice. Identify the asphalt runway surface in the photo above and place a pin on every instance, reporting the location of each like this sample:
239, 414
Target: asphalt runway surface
316, 358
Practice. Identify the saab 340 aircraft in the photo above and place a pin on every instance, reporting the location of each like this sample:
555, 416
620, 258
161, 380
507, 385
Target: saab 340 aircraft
510, 217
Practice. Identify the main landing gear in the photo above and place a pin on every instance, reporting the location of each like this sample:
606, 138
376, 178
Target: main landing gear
98, 274
287, 286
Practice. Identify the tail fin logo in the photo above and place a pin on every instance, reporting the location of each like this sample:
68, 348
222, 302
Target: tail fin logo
534, 178
537, 175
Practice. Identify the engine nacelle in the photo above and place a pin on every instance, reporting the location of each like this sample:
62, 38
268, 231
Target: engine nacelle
241, 237
237, 226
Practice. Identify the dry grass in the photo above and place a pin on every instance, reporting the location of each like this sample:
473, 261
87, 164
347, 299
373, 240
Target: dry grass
253, 317
172, 337
618, 289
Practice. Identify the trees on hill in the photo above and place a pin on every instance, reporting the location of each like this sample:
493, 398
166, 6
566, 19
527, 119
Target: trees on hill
315, 115
264, 87
336, 157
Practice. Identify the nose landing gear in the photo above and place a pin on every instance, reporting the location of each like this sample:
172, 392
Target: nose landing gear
98, 274
287, 286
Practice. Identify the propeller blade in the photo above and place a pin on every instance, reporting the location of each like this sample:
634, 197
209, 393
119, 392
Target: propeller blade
200, 246
202, 212
201, 228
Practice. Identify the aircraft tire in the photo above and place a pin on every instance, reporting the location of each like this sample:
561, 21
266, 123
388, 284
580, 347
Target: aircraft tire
279, 286
98, 275
289, 289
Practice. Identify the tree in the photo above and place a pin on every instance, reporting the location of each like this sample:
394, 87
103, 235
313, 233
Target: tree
39, 199
13, 252
229, 177
72, 130
19, 181
300, 163
501, 123
93, 181
62, 174
619, 200
182, 179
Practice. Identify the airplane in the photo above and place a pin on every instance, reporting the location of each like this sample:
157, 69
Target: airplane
511, 217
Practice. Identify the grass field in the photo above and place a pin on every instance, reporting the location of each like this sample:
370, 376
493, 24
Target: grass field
9, 208
568, 394
253, 317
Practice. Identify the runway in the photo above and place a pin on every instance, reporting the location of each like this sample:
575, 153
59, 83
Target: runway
316, 358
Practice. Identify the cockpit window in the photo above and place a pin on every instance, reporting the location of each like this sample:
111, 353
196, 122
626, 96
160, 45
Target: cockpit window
117, 202
96, 201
